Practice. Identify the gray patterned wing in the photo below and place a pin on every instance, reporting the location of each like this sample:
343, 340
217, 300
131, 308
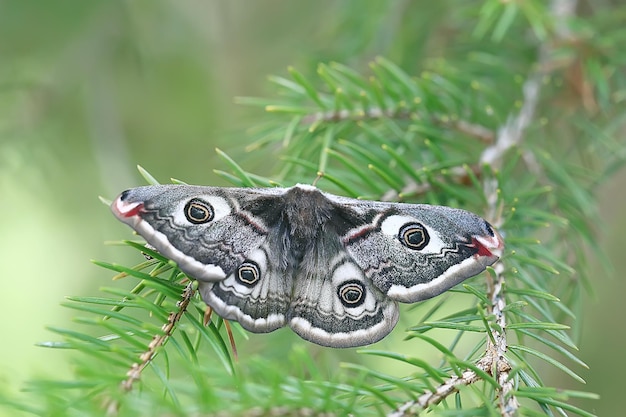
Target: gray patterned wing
413, 252
257, 294
334, 302
218, 236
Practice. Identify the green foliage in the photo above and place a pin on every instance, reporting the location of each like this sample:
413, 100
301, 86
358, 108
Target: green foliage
386, 133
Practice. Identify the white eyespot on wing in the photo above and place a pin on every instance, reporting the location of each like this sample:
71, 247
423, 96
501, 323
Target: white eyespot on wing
220, 206
262, 287
391, 227
320, 315
350, 272
248, 310
188, 264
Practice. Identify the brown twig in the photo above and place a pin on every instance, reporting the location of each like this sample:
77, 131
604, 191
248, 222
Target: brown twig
456, 175
494, 361
510, 135
134, 374
476, 131
158, 340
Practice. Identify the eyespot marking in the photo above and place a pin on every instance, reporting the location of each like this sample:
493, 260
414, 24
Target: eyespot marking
248, 273
351, 293
414, 236
198, 211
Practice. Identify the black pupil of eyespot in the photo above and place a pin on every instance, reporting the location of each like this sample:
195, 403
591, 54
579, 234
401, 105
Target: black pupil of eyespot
247, 274
197, 212
415, 237
352, 295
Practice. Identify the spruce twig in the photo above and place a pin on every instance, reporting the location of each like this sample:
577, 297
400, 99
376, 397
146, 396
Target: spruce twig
511, 134
134, 374
476, 131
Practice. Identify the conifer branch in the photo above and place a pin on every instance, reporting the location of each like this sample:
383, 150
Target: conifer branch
456, 175
476, 131
494, 361
429, 398
134, 374
511, 134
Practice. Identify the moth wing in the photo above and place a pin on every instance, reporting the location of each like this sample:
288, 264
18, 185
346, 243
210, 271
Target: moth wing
413, 252
257, 294
334, 302
219, 237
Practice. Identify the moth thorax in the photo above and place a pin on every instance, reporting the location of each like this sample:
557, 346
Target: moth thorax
306, 212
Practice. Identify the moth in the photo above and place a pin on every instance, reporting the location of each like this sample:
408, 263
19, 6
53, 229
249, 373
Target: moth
331, 268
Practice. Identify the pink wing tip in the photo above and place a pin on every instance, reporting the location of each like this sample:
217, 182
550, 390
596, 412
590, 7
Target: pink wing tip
122, 209
489, 245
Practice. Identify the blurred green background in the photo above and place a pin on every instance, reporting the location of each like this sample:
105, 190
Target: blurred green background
89, 89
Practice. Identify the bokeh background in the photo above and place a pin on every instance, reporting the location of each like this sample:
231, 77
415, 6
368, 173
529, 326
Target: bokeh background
90, 89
